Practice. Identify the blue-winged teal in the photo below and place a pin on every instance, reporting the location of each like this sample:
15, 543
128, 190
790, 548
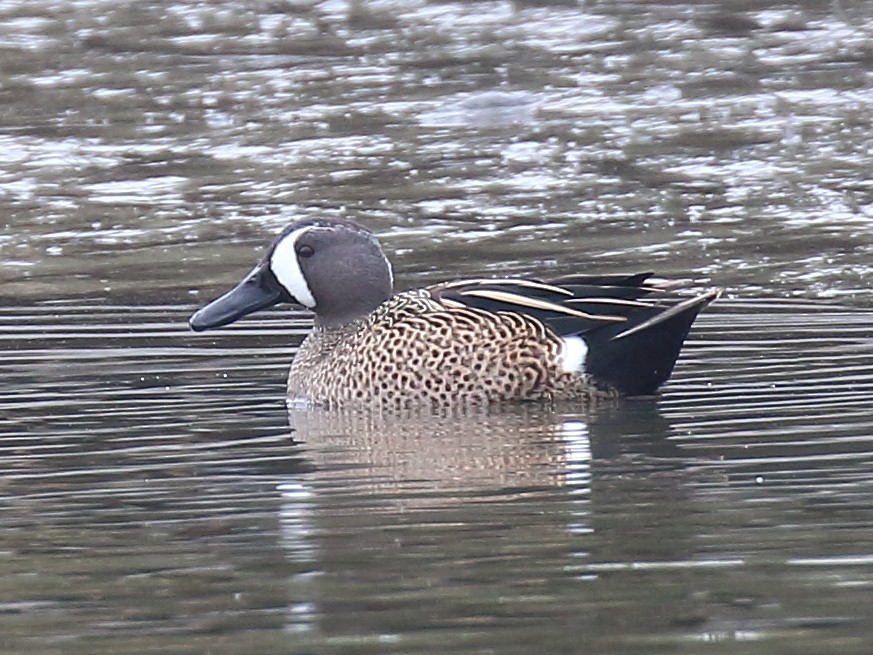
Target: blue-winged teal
467, 342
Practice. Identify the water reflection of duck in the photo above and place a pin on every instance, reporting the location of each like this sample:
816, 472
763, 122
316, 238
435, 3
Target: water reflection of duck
430, 458
581, 337
523, 445
433, 458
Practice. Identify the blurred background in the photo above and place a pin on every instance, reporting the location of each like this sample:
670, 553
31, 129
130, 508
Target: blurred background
149, 149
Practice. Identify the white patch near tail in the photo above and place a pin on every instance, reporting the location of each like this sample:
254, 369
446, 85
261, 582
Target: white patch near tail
286, 268
574, 352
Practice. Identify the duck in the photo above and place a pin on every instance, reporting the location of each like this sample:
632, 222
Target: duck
472, 342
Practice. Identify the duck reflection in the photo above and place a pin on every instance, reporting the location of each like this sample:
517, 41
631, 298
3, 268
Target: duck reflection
449, 462
460, 501
449, 455
474, 448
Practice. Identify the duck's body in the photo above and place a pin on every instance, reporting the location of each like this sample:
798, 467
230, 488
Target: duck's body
418, 349
468, 342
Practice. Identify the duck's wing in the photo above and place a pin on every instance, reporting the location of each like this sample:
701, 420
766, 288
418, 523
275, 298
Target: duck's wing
632, 340
569, 305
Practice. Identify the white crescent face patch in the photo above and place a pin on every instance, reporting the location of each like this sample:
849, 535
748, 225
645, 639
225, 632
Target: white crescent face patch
286, 268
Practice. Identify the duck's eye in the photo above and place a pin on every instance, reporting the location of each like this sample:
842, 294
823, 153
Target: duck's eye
305, 251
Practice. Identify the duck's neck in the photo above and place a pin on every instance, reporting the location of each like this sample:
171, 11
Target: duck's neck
351, 316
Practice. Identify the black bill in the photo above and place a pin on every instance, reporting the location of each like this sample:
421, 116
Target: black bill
257, 291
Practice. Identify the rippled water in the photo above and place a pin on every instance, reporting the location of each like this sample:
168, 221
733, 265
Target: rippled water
158, 497
155, 499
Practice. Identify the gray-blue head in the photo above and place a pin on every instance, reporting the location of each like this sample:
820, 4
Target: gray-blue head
334, 267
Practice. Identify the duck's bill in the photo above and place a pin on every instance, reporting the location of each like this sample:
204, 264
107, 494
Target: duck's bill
258, 290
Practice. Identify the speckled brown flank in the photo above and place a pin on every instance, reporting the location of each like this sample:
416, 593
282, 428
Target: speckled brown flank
415, 349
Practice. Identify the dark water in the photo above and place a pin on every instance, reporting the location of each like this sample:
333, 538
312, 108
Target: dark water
156, 495
153, 498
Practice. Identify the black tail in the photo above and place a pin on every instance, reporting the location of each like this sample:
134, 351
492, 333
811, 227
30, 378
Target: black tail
637, 356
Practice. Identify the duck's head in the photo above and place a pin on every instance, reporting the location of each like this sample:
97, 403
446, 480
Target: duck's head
334, 267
